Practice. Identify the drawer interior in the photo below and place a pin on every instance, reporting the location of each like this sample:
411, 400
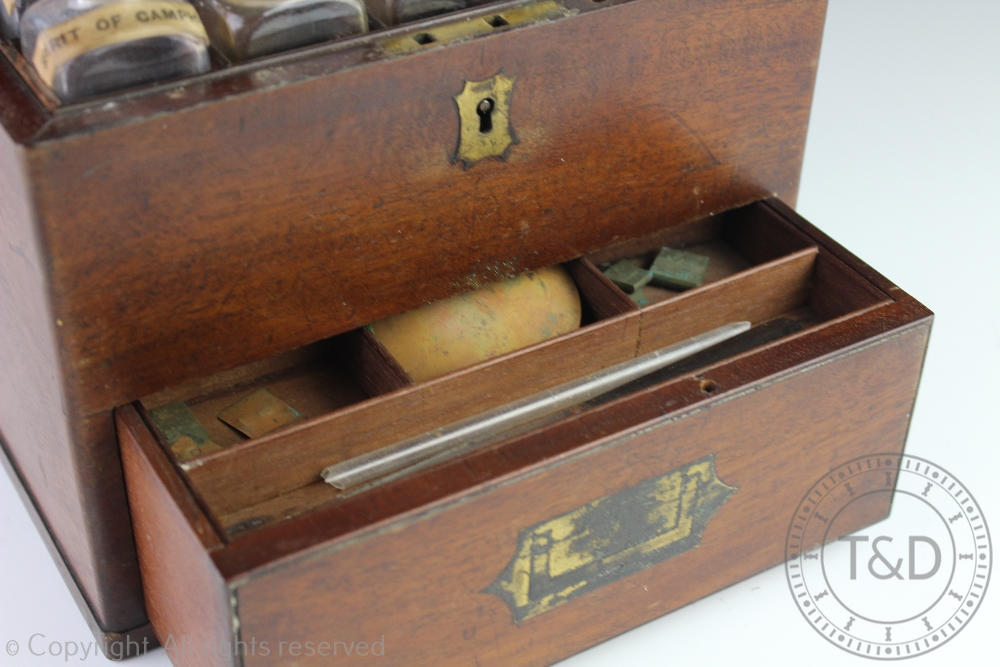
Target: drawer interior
351, 397
332, 374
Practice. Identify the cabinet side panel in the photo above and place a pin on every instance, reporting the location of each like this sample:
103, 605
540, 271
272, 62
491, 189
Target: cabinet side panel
445, 587
72, 472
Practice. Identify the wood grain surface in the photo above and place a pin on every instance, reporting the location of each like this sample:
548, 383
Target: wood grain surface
265, 467
256, 471
183, 230
252, 473
420, 585
69, 463
408, 563
220, 231
187, 600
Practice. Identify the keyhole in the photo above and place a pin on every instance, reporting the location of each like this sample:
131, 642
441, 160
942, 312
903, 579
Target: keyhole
485, 112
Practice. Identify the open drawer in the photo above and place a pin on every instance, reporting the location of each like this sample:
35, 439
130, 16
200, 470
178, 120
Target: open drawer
548, 541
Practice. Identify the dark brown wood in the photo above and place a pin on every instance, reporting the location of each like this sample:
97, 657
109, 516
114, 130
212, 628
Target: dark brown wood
409, 562
312, 390
68, 462
22, 113
754, 234
245, 375
601, 298
819, 237
252, 474
376, 369
761, 234
259, 482
756, 295
221, 233
396, 500
188, 602
329, 375
420, 582
839, 291
758, 336
265, 271
732, 241
265, 467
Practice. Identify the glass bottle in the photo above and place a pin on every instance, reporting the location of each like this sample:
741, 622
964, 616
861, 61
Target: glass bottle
394, 12
244, 29
82, 48
10, 17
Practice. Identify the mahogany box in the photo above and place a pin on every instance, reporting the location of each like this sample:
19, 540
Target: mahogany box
195, 241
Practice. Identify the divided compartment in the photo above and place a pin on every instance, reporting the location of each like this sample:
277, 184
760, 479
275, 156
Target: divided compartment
354, 398
760, 267
487, 14
327, 376
351, 387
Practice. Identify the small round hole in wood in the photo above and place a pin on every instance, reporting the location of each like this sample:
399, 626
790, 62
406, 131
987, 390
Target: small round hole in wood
709, 387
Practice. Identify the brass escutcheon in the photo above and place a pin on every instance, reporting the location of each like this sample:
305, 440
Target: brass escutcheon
485, 128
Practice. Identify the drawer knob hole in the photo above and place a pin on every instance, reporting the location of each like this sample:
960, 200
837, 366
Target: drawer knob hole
709, 387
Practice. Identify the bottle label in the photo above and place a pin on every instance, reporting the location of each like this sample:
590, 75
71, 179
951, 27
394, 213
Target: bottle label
109, 24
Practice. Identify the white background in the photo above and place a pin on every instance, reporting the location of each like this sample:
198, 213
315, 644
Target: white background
902, 168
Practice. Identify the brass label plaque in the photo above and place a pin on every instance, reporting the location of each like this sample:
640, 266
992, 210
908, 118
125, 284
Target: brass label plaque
610, 538
485, 128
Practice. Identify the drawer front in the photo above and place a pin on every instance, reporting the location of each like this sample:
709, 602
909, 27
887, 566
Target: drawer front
540, 564
538, 567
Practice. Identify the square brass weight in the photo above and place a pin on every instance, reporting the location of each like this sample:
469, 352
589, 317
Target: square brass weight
259, 413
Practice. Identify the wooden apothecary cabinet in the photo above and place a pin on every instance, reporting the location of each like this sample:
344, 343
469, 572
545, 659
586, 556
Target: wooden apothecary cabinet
199, 239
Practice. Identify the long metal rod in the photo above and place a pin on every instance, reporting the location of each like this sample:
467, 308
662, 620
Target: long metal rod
486, 426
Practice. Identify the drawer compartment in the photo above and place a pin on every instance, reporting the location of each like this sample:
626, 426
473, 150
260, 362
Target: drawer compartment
689, 479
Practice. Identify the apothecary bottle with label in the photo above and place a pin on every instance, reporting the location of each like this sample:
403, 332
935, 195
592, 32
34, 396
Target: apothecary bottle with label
82, 48
393, 12
244, 29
